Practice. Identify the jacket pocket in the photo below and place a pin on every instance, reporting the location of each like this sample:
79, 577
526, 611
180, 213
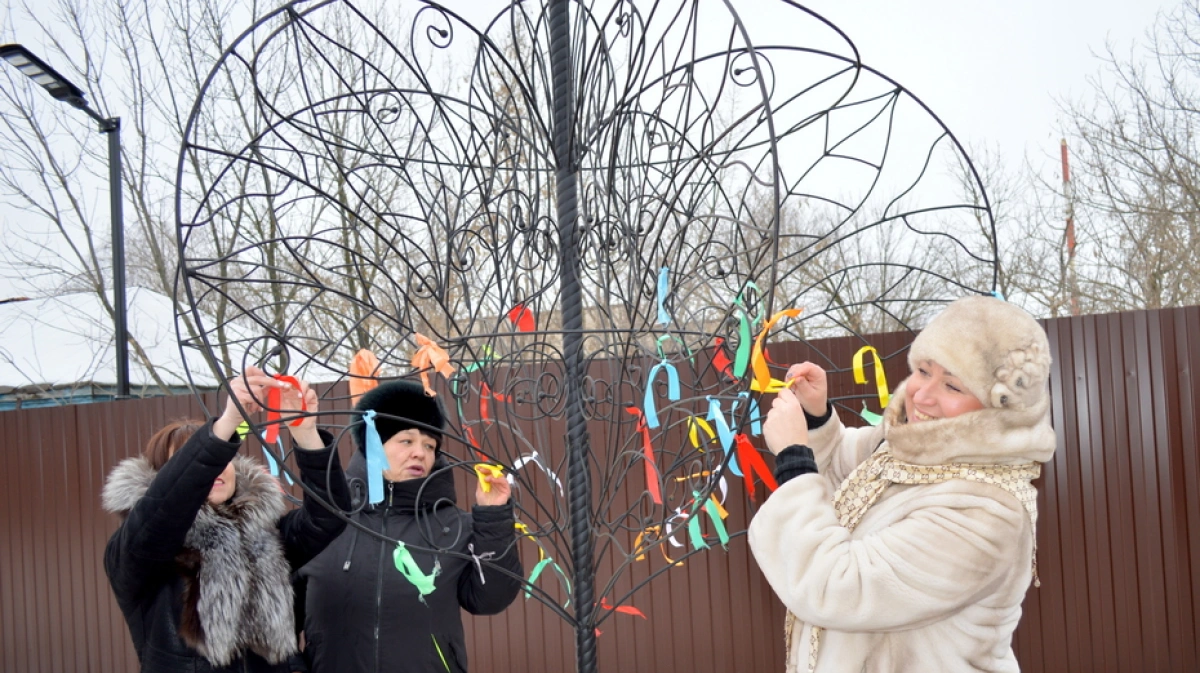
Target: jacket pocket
450, 658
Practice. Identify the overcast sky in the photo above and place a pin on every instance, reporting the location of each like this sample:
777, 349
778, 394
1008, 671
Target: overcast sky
991, 70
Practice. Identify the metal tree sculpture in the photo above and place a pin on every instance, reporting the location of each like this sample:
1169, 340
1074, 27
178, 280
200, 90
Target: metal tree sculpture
597, 210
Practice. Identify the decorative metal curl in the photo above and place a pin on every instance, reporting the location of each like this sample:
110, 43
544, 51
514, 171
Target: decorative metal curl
593, 207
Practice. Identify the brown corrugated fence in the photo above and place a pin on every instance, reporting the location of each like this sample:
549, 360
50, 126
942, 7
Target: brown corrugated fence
1119, 530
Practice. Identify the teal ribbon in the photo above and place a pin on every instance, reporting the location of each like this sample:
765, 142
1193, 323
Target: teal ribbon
664, 318
870, 417
377, 460
537, 571
714, 515
755, 414
672, 391
724, 434
407, 565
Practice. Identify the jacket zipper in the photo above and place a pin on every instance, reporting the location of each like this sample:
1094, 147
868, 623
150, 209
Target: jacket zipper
379, 581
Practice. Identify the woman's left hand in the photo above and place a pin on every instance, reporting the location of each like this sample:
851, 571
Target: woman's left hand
305, 433
785, 424
497, 495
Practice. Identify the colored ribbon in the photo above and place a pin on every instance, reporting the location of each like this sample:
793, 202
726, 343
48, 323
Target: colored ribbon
364, 370
377, 460
430, 356
695, 424
639, 545
672, 390
754, 413
714, 516
412, 572
522, 318
664, 318
483, 471
720, 361
870, 417
623, 609
741, 358
274, 400
534, 458
652, 477
860, 376
758, 361
724, 434
753, 462
488, 353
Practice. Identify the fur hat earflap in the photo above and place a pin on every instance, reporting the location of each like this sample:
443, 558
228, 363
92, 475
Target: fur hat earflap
995, 348
401, 405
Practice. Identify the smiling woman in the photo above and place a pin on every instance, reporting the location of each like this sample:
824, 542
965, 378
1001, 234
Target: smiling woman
910, 546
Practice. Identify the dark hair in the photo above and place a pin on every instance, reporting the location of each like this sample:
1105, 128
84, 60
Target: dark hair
168, 439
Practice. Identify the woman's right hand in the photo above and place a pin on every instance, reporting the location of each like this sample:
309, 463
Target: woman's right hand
808, 382
250, 390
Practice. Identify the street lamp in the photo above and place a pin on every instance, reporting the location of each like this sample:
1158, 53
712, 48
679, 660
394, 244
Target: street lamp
62, 89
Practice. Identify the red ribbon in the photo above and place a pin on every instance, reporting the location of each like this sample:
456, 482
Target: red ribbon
721, 361
623, 609
648, 450
752, 463
274, 401
523, 318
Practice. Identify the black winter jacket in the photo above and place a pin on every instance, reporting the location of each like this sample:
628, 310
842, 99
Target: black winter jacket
175, 560
362, 616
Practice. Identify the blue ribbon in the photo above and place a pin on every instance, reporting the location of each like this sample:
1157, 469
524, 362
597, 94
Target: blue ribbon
663, 317
723, 433
377, 460
271, 464
755, 415
672, 391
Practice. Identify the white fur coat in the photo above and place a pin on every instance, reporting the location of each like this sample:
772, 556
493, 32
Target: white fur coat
933, 577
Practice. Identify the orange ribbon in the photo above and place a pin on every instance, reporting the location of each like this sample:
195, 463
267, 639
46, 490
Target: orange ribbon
364, 369
639, 546
624, 609
762, 372
522, 318
274, 401
648, 450
430, 356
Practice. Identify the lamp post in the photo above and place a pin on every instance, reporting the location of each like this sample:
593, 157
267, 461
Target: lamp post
60, 88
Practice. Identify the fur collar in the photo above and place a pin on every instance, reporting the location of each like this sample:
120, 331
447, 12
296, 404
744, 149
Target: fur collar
990, 436
237, 592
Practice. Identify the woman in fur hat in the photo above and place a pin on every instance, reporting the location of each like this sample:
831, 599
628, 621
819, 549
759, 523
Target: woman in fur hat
909, 546
201, 562
373, 606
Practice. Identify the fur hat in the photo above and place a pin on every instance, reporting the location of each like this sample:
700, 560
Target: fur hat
407, 401
995, 348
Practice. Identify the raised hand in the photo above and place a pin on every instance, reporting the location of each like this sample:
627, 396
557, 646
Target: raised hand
811, 387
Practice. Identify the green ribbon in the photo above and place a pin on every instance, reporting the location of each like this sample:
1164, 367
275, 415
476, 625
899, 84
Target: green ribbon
746, 321
408, 567
870, 417
694, 523
537, 571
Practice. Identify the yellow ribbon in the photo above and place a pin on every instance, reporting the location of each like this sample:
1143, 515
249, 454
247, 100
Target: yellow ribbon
430, 356
695, 423
639, 549
773, 387
484, 470
880, 376
526, 533
762, 373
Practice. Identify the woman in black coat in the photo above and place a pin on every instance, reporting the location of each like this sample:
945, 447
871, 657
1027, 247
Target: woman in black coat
362, 614
200, 564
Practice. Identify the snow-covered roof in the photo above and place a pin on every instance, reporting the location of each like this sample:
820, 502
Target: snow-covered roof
57, 342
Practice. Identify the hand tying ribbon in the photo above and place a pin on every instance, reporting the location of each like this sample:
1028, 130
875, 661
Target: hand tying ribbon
274, 400
483, 471
762, 372
430, 356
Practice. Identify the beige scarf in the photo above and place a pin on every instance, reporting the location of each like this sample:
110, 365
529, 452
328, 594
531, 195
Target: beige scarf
871, 478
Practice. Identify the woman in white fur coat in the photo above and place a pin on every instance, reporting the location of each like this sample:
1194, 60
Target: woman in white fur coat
910, 546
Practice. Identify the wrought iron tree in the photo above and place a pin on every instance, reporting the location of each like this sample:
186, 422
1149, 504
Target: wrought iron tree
597, 209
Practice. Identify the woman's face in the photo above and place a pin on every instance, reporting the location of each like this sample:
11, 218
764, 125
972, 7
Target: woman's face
933, 393
410, 455
224, 486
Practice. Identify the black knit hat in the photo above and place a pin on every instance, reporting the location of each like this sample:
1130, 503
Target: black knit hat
404, 400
